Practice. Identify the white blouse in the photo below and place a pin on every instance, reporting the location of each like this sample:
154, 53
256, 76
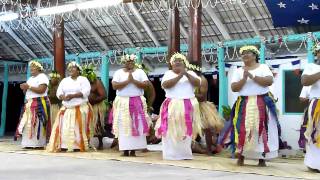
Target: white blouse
251, 88
183, 89
305, 92
130, 90
70, 86
311, 69
36, 81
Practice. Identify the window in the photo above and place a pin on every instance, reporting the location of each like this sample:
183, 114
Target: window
291, 92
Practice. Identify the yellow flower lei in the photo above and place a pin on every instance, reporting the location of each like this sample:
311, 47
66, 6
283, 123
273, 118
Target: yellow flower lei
249, 48
36, 64
316, 48
72, 64
186, 62
54, 75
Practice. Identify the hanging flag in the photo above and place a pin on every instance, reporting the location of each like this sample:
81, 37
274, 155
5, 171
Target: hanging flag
215, 77
295, 64
275, 69
227, 67
294, 12
296, 67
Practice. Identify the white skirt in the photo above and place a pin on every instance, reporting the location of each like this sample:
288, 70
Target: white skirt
33, 142
128, 142
312, 157
273, 143
179, 150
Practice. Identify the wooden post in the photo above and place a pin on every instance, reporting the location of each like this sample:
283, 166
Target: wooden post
58, 46
174, 30
194, 41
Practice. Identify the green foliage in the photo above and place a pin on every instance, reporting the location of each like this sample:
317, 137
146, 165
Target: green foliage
89, 72
226, 112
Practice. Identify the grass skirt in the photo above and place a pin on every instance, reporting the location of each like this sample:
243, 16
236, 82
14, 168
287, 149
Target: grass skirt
210, 117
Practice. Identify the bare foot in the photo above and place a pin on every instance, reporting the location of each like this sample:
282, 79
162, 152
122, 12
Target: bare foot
114, 143
313, 170
196, 148
133, 153
145, 150
125, 153
240, 161
262, 163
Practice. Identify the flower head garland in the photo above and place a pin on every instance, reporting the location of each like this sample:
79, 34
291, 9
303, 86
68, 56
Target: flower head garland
74, 64
316, 48
36, 64
88, 71
249, 48
143, 67
54, 74
185, 61
128, 57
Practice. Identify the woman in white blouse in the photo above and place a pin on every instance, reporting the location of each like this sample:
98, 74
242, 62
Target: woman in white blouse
311, 77
131, 121
35, 122
254, 115
73, 127
179, 113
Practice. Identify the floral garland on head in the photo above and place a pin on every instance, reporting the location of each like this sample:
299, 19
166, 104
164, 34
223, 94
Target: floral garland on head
54, 74
128, 57
36, 64
142, 66
316, 48
74, 64
88, 71
249, 48
189, 66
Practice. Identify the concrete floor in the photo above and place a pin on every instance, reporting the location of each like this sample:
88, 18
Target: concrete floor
15, 166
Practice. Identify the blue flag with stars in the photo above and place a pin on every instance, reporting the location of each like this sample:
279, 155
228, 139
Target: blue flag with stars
294, 12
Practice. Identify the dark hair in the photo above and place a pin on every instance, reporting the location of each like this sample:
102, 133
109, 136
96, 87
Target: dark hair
199, 73
257, 57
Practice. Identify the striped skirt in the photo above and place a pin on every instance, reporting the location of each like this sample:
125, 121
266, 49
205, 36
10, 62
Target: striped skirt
255, 127
35, 122
312, 135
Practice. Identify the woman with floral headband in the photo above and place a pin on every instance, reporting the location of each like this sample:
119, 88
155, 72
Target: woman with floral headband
311, 77
55, 79
96, 99
256, 128
35, 122
179, 113
73, 127
130, 118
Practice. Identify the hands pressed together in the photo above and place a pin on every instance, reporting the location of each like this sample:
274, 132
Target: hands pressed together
24, 86
247, 74
67, 97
